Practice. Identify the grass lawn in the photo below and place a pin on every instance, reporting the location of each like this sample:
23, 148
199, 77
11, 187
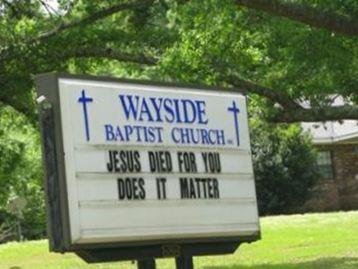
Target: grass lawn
311, 241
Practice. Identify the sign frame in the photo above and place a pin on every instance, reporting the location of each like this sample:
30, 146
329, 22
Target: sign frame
58, 227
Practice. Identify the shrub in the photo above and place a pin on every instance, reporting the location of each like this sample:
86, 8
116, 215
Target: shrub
284, 167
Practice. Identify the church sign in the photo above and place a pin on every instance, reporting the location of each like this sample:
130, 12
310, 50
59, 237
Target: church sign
136, 165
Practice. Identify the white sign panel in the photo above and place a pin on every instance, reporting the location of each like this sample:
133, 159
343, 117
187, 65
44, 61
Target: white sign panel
155, 162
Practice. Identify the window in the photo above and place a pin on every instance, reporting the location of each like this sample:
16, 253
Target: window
324, 163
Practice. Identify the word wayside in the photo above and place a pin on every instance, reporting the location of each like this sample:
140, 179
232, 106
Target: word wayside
138, 165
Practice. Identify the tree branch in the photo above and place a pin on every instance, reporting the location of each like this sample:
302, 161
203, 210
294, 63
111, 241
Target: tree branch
291, 111
29, 110
274, 95
327, 113
50, 10
80, 22
307, 15
93, 17
109, 53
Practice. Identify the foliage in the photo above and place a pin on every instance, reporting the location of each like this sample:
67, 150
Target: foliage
197, 41
284, 167
20, 174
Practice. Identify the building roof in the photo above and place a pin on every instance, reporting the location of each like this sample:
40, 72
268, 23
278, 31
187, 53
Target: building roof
332, 131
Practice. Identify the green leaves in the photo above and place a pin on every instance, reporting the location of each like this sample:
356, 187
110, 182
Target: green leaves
284, 167
20, 170
194, 41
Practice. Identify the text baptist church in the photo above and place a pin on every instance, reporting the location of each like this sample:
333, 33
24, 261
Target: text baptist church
156, 112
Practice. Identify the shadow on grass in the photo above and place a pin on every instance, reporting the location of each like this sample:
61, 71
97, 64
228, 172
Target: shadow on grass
323, 263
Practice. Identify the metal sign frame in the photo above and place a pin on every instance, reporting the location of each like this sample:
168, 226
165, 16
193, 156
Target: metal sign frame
56, 190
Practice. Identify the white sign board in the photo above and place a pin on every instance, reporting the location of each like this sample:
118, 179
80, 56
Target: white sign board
146, 162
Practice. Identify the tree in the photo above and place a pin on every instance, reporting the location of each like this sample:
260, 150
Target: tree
212, 42
20, 176
306, 53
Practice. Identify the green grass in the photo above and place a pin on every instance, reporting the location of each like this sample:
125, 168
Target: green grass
311, 241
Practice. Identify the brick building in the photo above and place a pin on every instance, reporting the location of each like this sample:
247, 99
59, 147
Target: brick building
337, 160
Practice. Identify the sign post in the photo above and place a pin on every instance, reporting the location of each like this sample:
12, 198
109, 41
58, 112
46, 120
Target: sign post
140, 170
146, 264
184, 262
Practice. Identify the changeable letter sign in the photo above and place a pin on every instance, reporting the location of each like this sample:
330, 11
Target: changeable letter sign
145, 169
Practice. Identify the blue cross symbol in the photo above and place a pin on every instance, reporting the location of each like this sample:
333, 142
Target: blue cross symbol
234, 109
84, 100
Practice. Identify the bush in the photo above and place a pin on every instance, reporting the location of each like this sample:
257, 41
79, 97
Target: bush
284, 167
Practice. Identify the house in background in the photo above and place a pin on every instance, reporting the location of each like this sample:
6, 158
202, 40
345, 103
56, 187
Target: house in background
337, 160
